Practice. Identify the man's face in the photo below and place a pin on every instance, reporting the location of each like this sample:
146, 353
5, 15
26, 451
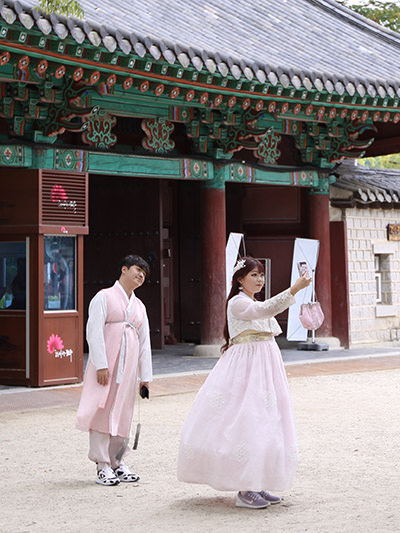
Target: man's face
134, 276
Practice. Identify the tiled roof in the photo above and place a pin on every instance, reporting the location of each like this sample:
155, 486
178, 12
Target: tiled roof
366, 186
317, 44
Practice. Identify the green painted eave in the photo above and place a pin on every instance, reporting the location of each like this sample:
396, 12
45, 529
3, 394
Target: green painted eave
212, 174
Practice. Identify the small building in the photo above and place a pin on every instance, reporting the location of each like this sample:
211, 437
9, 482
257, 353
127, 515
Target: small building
367, 201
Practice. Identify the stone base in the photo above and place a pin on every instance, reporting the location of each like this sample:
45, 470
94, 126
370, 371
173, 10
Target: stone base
325, 343
320, 344
332, 342
313, 346
207, 350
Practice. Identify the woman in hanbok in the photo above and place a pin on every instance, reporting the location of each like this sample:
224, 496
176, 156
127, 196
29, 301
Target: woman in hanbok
240, 434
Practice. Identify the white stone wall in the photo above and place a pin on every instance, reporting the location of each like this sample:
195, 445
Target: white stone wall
366, 236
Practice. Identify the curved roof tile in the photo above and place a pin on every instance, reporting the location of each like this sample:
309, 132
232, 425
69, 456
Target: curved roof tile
367, 185
343, 48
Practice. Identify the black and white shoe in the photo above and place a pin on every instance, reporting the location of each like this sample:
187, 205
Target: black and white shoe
125, 475
106, 476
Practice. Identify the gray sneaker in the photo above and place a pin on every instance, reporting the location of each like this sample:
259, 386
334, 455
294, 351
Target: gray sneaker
270, 497
251, 500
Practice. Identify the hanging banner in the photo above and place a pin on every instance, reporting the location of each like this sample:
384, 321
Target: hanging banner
305, 255
231, 255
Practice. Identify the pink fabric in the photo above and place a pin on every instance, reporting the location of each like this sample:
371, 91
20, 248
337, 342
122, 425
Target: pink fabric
240, 433
103, 449
109, 409
311, 315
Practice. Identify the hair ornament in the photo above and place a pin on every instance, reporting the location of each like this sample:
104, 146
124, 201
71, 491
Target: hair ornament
239, 265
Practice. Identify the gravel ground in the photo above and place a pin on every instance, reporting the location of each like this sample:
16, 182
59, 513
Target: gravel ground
348, 479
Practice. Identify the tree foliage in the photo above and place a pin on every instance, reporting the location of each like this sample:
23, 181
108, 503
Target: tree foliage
382, 161
69, 8
383, 12
386, 13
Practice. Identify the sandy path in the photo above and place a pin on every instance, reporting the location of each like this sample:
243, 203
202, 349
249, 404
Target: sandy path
348, 479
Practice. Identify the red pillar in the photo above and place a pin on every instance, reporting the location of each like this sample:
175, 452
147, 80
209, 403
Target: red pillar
319, 229
213, 265
340, 282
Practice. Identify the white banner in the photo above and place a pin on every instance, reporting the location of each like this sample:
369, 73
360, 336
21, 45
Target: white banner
231, 255
305, 254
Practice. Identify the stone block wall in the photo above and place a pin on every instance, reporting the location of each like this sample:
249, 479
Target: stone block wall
372, 322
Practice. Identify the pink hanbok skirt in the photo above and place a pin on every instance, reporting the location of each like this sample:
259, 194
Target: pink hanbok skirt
240, 433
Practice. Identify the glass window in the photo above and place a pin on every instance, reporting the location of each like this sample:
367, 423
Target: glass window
378, 278
383, 279
59, 273
12, 275
378, 281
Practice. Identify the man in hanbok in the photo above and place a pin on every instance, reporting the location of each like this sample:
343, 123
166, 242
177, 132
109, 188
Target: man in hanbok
118, 336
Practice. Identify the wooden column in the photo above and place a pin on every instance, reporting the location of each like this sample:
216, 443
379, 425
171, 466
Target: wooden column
213, 265
340, 282
319, 229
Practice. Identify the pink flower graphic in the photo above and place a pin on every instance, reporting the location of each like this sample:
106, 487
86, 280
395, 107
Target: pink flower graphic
58, 193
54, 343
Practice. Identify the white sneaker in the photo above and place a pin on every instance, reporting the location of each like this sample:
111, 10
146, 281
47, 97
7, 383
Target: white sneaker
106, 476
125, 475
251, 500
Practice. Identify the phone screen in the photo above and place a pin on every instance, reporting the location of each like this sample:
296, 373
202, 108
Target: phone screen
302, 268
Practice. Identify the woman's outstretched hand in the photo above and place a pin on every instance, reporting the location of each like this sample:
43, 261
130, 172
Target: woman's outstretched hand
301, 283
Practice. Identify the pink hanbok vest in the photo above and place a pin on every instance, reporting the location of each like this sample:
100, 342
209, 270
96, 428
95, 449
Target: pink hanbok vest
109, 408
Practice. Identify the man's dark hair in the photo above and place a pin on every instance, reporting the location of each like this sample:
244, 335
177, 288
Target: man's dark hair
130, 260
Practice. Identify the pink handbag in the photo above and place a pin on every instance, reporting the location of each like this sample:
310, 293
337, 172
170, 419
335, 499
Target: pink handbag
311, 315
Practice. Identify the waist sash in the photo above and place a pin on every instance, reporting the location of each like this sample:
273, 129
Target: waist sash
251, 336
122, 353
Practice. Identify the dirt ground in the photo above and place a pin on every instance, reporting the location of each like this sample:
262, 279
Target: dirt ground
348, 478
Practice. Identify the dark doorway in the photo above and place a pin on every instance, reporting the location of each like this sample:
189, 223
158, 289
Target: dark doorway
160, 220
125, 217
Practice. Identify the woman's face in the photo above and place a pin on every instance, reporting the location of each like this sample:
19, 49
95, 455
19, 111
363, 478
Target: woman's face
252, 282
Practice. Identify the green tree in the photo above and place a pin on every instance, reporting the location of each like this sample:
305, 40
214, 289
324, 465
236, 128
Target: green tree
382, 161
384, 12
69, 8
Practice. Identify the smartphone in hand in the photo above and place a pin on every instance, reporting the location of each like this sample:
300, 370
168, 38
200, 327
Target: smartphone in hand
302, 268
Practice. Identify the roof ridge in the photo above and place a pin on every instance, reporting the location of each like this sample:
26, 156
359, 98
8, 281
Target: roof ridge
358, 20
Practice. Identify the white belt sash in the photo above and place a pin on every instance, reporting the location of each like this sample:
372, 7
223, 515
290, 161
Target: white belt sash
122, 353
